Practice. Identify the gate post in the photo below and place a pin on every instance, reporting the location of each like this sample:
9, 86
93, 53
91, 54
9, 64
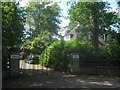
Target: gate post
74, 63
14, 61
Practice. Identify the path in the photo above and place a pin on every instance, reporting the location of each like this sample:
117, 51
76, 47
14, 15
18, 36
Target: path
38, 78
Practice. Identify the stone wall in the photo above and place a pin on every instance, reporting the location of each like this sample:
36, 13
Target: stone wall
74, 63
100, 70
14, 67
76, 68
10, 69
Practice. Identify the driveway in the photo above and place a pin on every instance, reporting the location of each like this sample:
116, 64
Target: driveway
36, 76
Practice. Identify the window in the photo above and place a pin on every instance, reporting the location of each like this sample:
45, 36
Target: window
71, 36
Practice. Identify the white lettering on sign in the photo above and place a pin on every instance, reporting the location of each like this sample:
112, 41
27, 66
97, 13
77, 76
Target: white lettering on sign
75, 56
14, 56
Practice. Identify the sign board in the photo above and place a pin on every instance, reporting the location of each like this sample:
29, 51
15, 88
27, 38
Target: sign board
14, 56
75, 56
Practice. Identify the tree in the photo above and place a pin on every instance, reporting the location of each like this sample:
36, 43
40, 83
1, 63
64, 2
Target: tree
42, 20
94, 17
43, 16
37, 44
12, 25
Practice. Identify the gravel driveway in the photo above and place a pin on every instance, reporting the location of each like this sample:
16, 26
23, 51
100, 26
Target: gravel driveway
35, 76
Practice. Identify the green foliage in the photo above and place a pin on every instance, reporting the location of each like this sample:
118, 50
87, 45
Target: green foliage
12, 28
38, 44
42, 21
55, 56
12, 25
43, 16
93, 17
114, 47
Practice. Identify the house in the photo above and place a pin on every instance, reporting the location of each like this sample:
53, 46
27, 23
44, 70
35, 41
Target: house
73, 34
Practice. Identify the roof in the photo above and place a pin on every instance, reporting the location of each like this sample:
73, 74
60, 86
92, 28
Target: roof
74, 29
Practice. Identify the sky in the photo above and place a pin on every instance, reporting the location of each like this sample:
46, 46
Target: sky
63, 5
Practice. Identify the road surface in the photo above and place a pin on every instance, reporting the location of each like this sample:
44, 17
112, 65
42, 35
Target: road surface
35, 76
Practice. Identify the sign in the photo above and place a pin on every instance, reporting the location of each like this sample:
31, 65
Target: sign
14, 56
75, 56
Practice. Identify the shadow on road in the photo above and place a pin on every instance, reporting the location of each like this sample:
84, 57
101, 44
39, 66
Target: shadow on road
47, 78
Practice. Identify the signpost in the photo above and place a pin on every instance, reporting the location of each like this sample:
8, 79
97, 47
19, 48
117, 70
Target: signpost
75, 56
14, 56
14, 61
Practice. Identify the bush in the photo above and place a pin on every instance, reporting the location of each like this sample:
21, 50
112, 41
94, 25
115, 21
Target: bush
55, 55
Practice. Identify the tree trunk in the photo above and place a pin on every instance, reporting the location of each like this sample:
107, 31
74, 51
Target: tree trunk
95, 33
95, 39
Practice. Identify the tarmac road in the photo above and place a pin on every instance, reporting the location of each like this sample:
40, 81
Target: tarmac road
36, 76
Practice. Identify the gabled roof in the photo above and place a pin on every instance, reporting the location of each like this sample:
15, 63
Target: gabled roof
74, 29
101, 40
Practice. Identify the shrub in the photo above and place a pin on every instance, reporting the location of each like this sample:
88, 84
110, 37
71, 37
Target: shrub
55, 55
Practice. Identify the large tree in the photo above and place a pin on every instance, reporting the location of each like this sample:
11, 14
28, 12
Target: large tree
43, 16
94, 17
12, 25
42, 21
